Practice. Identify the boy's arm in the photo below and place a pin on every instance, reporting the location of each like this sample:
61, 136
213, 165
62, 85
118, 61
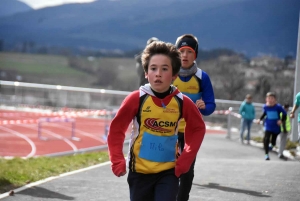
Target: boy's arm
296, 105
194, 134
292, 113
241, 109
283, 118
207, 95
262, 116
117, 132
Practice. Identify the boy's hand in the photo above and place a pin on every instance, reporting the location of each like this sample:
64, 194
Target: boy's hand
122, 174
279, 122
200, 104
292, 115
257, 121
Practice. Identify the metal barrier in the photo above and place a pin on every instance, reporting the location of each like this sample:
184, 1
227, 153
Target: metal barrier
76, 101
56, 96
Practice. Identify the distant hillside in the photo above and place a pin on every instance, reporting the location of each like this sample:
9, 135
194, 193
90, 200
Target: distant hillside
256, 77
252, 27
56, 70
11, 7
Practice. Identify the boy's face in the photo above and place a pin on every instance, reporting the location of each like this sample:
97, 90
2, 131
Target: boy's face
160, 73
248, 99
187, 57
270, 100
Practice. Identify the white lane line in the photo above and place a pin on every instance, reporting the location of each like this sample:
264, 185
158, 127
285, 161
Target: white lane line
7, 135
80, 132
72, 145
31, 143
54, 177
92, 123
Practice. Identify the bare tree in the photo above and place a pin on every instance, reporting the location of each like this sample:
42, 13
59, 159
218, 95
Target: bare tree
263, 87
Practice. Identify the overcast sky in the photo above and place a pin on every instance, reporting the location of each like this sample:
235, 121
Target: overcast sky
36, 4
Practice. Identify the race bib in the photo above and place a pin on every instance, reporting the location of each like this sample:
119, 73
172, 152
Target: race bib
158, 148
272, 115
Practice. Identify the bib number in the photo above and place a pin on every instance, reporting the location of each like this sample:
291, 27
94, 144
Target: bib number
158, 148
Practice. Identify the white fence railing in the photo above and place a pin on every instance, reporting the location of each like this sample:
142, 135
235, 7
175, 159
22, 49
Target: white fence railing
15, 93
56, 97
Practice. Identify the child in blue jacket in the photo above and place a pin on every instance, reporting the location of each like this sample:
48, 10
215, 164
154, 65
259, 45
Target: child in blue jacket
271, 115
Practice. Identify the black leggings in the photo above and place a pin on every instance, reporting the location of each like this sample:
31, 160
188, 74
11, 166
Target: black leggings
267, 137
186, 179
162, 186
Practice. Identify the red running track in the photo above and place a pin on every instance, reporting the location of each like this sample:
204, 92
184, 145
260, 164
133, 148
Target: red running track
19, 139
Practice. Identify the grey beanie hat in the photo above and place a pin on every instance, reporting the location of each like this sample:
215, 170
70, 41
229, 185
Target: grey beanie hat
152, 39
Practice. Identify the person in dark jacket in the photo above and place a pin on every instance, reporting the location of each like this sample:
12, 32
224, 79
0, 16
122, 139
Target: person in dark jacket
139, 67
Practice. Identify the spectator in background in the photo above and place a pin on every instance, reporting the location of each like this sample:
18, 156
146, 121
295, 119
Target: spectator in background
285, 129
247, 111
271, 115
292, 114
139, 67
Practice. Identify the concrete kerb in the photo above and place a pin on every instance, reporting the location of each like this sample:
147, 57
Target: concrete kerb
286, 153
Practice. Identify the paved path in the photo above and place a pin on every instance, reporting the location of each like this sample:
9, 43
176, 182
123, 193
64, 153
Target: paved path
225, 171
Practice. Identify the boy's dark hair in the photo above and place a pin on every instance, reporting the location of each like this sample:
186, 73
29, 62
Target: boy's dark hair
160, 47
187, 40
286, 106
271, 94
248, 96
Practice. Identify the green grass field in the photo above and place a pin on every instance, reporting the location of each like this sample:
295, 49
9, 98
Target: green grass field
44, 69
36, 64
17, 172
51, 69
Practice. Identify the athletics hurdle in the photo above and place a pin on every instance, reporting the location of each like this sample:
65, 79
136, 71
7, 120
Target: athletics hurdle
108, 115
56, 119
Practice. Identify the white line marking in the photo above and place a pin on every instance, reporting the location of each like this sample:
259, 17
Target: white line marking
52, 178
80, 132
72, 145
33, 148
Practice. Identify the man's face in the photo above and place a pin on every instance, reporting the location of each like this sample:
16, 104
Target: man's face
187, 56
160, 73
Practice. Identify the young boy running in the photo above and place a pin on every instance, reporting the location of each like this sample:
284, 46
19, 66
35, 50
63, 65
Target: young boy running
271, 114
155, 110
196, 84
